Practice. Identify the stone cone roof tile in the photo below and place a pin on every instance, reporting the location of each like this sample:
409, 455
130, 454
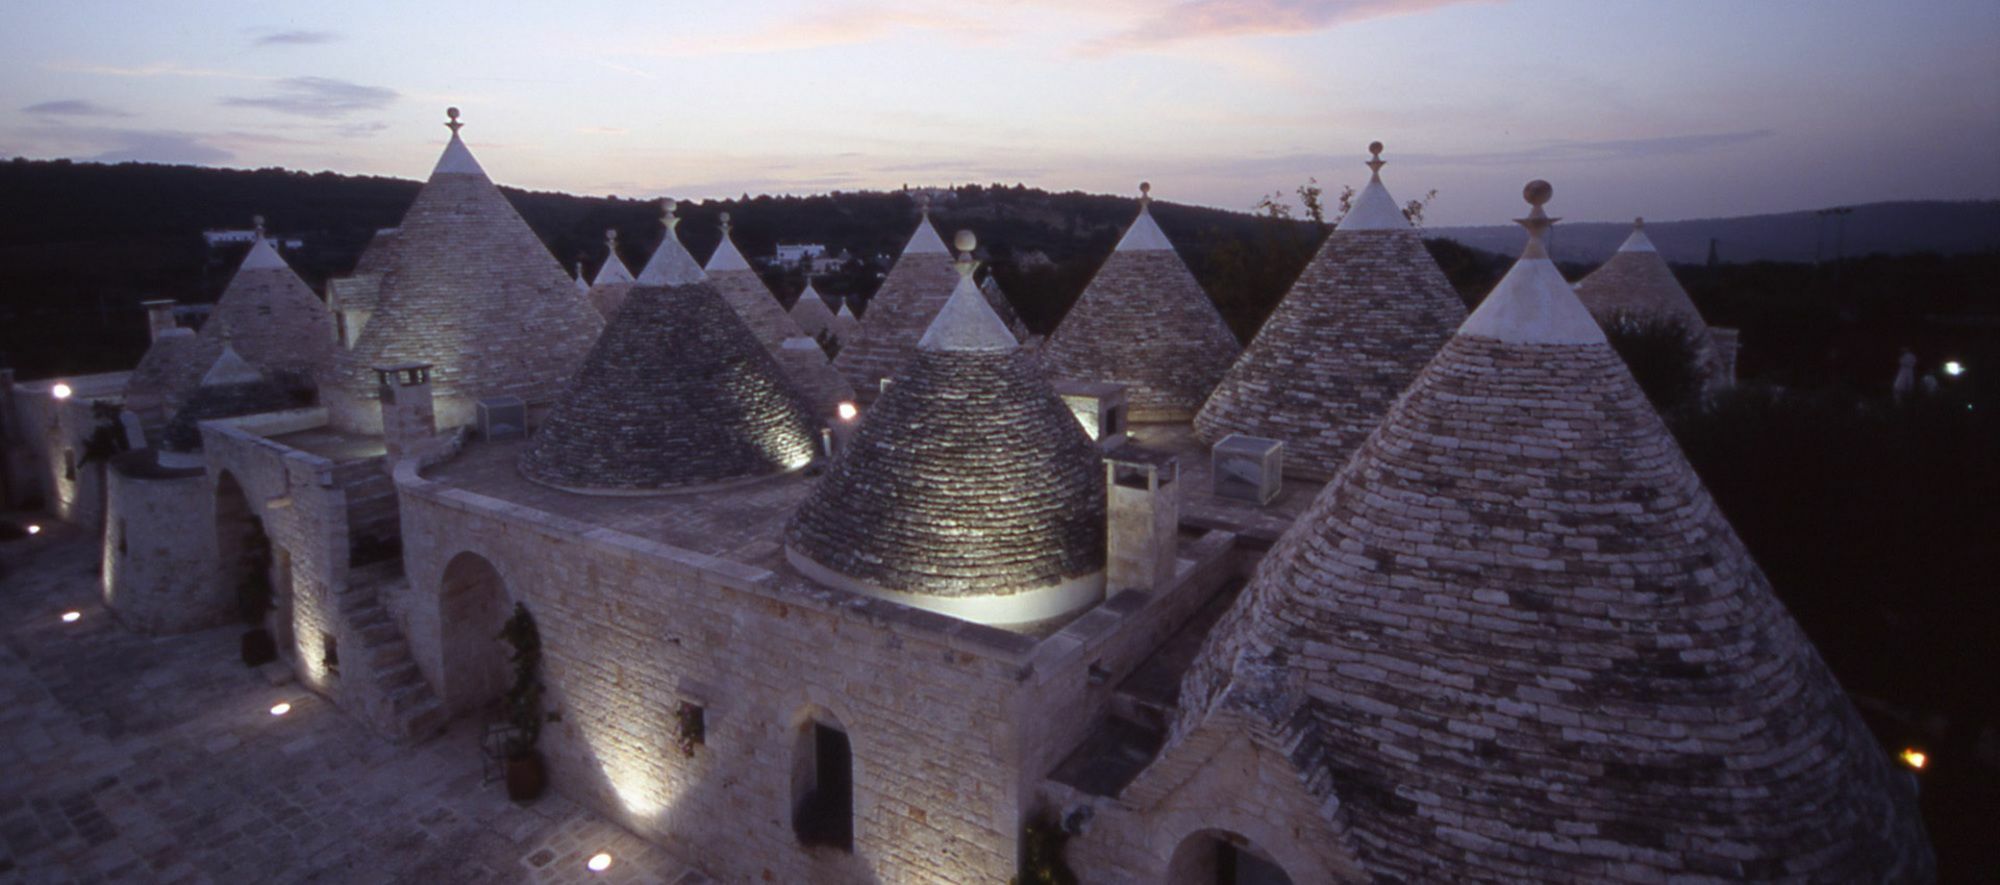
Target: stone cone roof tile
1364, 317
916, 287
1146, 323
170, 370
362, 289
996, 298
677, 393
845, 322
967, 478
810, 313
230, 388
474, 293
1636, 281
1524, 644
746, 294
967, 323
272, 317
814, 377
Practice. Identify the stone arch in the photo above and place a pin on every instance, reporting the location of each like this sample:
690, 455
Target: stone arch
241, 546
823, 779
473, 604
1223, 857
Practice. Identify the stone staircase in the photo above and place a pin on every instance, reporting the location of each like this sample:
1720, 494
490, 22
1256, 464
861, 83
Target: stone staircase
374, 521
398, 699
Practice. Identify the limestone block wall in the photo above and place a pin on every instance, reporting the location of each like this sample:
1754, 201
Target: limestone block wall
631, 629
52, 433
159, 552
304, 515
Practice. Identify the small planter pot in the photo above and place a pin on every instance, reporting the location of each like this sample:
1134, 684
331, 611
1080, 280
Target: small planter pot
258, 647
526, 779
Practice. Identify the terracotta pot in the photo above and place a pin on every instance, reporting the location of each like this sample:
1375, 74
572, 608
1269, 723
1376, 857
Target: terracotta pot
525, 777
258, 647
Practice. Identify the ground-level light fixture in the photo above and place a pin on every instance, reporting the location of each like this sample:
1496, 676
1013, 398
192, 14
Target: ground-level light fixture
72, 616
34, 529
61, 391
599, 862
1954, 368
1914, 758
847, 411
280, 708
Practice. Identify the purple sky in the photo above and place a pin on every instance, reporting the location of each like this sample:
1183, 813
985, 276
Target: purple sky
1679, 109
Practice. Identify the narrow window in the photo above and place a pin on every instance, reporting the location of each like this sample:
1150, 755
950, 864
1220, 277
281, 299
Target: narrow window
330, 657
824, 813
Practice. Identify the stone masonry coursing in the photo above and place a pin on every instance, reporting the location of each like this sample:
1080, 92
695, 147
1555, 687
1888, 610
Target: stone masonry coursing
159, 567
52, 434
1145, 322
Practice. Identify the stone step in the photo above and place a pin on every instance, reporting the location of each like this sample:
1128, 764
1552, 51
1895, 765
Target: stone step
384, 655
378, 633
423, 720
398, 675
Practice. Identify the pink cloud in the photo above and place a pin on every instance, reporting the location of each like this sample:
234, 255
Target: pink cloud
1204, 19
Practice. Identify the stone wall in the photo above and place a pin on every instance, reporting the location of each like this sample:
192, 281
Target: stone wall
159, 551
52, 433
631, 629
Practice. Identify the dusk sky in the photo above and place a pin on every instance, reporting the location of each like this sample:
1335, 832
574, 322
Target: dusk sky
1679, 109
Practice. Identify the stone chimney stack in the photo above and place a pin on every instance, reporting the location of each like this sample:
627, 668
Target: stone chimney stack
1142, 519
408, 422
159, 317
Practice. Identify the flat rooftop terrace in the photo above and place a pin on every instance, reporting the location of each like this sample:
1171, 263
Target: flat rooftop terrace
333, 445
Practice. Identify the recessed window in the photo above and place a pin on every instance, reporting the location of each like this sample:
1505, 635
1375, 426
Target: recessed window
823, 788
330, 653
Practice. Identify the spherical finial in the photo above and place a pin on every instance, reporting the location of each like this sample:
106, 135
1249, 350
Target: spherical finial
258, 221
924, 204
965, 241
725, 221
1538, 192
1375, 148
1145, 188
1639, 223
453, 123
611, 236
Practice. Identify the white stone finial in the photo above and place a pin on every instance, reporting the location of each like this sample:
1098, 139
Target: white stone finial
453, 123
1538, 222
1639, 223
725, 223
258, 222
1375, 161
924, 205
1145, 192
611, 239
966, 242
668, 207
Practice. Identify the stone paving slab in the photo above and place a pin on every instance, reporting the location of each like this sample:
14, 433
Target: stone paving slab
128, 758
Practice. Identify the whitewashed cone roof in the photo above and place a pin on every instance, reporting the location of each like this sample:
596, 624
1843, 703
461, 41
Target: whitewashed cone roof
1636, 281
272, 317
746, 293
1515, 639
910, 297
810, 312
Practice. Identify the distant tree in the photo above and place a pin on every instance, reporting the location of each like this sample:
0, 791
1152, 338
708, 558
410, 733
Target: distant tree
1311, 196
1273, 205
1663, 356
1414, 209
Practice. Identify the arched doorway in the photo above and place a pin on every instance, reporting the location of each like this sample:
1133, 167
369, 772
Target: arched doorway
1219, 857
241, 548
472, 607
823, 783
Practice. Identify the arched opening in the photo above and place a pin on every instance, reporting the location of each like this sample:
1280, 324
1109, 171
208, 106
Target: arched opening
472, 607
1219, 857
823, 784
241, 549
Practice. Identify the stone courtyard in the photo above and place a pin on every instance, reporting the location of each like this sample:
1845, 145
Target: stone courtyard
133, 758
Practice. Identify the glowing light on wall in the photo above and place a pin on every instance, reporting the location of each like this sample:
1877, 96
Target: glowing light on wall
848, 411
281, 709
71, 617
34, 530
1915, 758
61, 391
599, 862
1954, 368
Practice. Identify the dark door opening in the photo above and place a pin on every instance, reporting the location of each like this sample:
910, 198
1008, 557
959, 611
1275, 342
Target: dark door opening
1234, 866
824, 815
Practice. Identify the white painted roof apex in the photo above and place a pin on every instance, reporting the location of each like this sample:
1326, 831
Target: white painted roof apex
262, 256
457, 158
230, 369
925, 241
614, 269
798, 342
966, 323
1533, 304
1638, 241
1144, 235
846, 310
671, 265
726, 256
1374, 209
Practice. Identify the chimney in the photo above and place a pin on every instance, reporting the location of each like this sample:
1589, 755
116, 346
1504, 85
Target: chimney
159, 317
1142, 519
408, 422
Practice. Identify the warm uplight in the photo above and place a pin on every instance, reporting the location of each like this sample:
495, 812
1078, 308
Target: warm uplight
599, 862
281, 709
848, 411
61, 391
34, 530
1954, 368
72, 617
1915, 758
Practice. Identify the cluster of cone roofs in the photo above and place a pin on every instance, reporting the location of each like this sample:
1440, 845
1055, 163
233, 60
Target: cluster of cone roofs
1512, 634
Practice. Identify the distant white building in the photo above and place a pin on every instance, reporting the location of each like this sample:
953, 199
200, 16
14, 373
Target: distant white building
216, 238
795, 253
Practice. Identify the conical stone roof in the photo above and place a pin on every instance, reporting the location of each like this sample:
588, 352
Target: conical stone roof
845, 323
475, 294
900, 311
1367, 313
810, 313
1514, 639
607, 291
170, 370
1637, 282
613, 269
676, 394
996, 297
270, 316
968, 489
1146, 323
748, 296
813, 376
230, 388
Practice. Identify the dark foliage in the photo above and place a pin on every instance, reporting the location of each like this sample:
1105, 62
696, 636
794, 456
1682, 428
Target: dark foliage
1042, 863
1663, 356
524, 696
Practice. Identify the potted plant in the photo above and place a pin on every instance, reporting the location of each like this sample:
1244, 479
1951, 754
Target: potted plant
253, 596
526, 777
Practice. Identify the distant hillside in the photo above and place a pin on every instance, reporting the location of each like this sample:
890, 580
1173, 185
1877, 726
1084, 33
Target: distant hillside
1905, 228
